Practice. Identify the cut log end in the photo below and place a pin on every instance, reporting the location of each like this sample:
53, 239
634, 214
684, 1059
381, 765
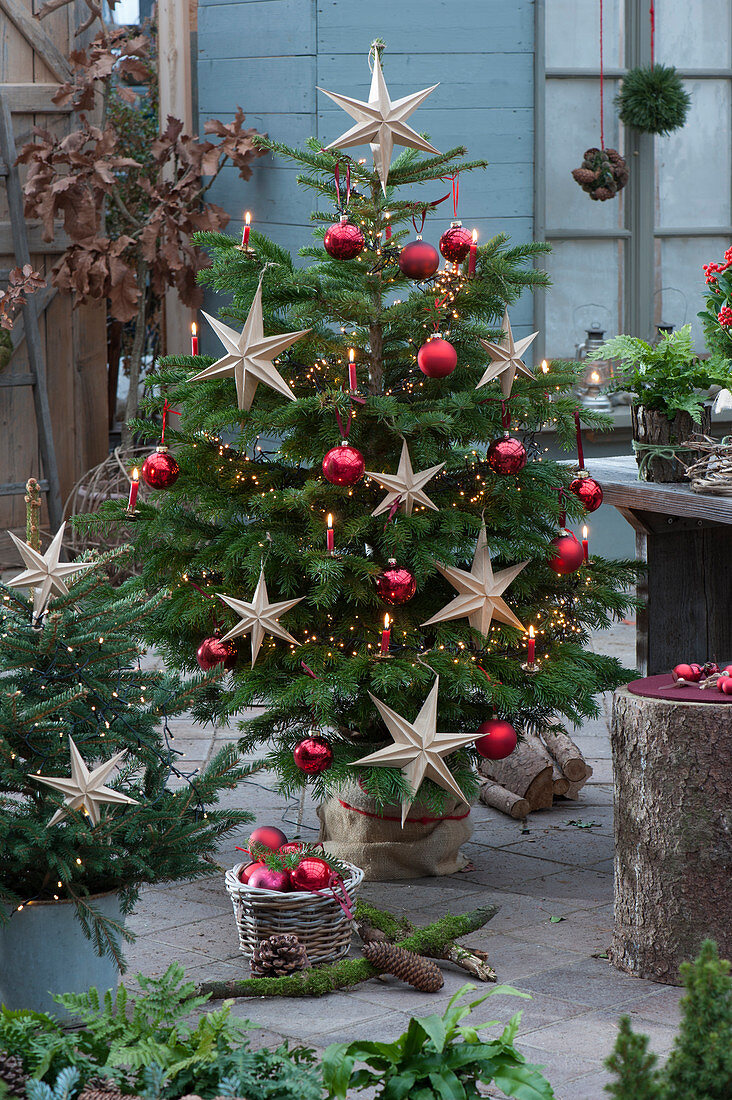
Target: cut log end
498, 798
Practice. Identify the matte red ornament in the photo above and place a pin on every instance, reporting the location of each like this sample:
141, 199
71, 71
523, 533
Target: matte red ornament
212, 652
691, 673
160, 470
343, 465
395, 585
569, 554
437, 358
727, 670
311, 873
506, 455
265, 879
588, 491
724, 684
418, 259
455, 243
313, 755
267, 836
343, 240
497, 739
246, 872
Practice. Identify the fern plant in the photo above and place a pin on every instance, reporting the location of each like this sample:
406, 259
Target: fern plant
668, 376
63, 1089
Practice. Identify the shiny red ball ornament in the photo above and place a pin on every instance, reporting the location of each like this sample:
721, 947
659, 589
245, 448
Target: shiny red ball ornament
569, 554
160, 470
311, 873
313, 755
497, 739
265, 879
418, 260
267, 836
246, 872
588, 491
455, 243
343, 240
724, 684
437, 358
506, 455
290, 848
727, 671
395, 585
691, 673
212, 652
343, 465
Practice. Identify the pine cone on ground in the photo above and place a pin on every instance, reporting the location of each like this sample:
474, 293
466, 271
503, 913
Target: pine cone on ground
409, 967
279, 956
101, 1088
12, 1074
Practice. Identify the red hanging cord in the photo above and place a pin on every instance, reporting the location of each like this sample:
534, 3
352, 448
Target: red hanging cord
602, 88
653, 33
455, 180
417, 230
578, 429
344, 431
167, 407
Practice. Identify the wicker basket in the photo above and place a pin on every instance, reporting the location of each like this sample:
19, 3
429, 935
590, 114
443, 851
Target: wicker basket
712, 472
319, 922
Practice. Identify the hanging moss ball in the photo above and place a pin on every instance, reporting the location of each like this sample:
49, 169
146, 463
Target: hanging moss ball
653, 99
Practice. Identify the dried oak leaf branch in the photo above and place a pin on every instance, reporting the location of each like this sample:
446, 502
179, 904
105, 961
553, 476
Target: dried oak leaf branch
21, 282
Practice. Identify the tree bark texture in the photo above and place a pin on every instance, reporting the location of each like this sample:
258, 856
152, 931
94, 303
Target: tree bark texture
653, 426
673, 832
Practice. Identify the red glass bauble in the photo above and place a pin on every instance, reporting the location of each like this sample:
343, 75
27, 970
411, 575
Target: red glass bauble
160, 470
311, 873
569, 554
291, 847
267, 836
343, 465
418, 260
506, 455
343, 240
496, 739
212, 652
588, 491
691, 673
710, 667
246, 872
313, 755
396, 585
727, 671
724, 684
265, 879
455, 243
437, 358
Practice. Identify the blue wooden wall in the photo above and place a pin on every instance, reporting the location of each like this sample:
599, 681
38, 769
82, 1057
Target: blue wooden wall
268, 56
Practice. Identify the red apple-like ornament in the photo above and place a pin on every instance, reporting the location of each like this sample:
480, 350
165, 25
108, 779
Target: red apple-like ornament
313, 755
418, 260
724, 684
691, 673
343, 465
437, 358
267, 836
343, 240
311, 873
568, 554
160, 470
265, 879
212, 652
396, 585
455, 242
246, 872
496, 739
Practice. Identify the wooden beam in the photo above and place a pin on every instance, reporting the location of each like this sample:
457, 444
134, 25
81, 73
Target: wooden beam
29, 99
35, 35
43, 298
20, 487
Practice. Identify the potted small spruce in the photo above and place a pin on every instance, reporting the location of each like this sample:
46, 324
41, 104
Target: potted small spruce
669, 384
72, 690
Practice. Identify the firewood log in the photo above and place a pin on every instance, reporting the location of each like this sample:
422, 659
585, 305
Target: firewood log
492, 794
566, 754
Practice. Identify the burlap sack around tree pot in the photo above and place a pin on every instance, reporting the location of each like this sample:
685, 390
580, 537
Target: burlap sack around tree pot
354, 828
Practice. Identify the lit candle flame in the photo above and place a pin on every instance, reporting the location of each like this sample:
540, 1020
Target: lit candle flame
584, 532
531, 632
330, 520
194, 328
545, 366
475, 236
247, 218
135, 474
387, 621
351, 355
595, 377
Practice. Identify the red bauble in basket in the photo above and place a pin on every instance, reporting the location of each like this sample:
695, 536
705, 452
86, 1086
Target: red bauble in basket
246, 872
568, 555
267, 836
506, 455
212, 652
396, 585
437, 358
455, 243
343, 240
418, 260
160, 470
587, 490
343, 465
265, 879
313, 755
311, 873
496, 739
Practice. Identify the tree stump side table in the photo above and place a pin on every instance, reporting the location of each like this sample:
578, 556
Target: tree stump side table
672, 764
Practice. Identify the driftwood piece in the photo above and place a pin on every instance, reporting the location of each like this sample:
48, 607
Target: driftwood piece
567, 755
498, 798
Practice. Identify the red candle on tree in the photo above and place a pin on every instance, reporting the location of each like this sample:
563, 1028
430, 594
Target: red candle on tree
352, 380
134, 490
584, 543
247, 227
330, 537
473, 253
194, 339
531, 650
385, 636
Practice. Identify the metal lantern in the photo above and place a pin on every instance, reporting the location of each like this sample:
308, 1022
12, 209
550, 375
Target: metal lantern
596, 374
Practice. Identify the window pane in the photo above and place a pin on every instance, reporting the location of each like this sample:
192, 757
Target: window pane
680, 280
692, 164
573, 33
694, 34
586, 290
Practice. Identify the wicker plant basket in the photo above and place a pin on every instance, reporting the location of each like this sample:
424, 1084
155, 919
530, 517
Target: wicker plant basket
318, 921
712, 471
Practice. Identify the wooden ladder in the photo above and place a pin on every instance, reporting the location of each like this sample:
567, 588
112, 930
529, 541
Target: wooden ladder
36, 377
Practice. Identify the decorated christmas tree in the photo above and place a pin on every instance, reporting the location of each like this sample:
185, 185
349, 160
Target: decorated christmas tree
94, 795
346, 515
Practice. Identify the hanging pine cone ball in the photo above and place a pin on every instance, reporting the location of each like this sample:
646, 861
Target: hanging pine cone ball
602, 174
653, 99
12, 1075
279, 956
420, 973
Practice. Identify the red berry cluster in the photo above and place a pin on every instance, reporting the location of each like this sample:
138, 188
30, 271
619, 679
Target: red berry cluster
712, 270
725, 316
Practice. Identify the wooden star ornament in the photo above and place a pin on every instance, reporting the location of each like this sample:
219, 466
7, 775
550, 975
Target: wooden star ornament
506, 360
85, 790
381, 121
259, 617
418, 749
480, 591
405, 486
44, 572
249, 355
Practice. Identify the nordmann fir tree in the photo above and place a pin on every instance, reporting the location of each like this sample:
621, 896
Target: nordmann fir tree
243, 510
72, 687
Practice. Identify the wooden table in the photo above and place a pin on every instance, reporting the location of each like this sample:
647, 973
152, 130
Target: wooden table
686, 540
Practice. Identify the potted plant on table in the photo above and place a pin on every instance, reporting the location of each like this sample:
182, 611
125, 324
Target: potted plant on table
669, 384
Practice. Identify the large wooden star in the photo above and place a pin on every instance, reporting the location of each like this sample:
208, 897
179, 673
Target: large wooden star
418, 749
405, 486
44, 572
506, 360
259, 617
85, 790
381, 122
249, 355
480, 598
